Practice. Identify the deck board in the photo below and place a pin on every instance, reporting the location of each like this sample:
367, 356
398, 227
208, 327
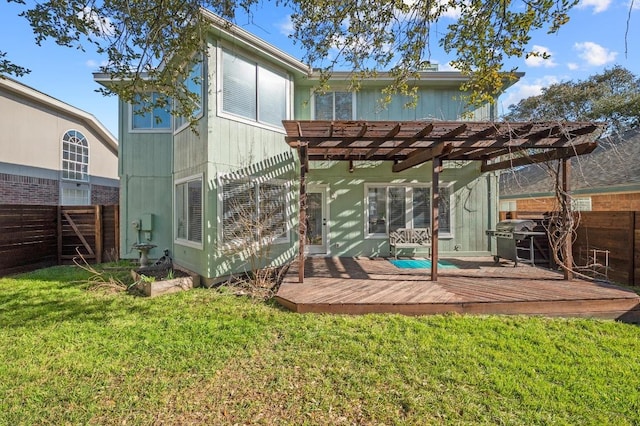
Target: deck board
477, 286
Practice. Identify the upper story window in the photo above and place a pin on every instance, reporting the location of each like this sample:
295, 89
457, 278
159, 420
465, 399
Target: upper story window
75, 156
253, 92
194, 84
334, 106
149, 113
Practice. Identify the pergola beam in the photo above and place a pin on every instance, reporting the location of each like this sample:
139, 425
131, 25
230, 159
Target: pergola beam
556, 154
407, 143
420, 157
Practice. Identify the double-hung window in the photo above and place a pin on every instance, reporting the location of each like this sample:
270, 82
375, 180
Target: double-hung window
253, 92
150, 113
254, 211
390, 207
188, 202
333, 106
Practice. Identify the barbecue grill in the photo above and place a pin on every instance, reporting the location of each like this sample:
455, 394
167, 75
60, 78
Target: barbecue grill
515, 240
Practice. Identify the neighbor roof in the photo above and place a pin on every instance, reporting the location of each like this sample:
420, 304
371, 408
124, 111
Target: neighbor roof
614, 166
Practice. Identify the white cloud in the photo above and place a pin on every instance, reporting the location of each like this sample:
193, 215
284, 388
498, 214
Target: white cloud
286, 26
597, 5
573, 66
594, 54
524, 89
450, 12
540, 61
103, 25
94, 64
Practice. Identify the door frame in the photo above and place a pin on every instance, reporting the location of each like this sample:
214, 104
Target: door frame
324, 249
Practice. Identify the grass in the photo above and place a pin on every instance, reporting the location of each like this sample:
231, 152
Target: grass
71, 355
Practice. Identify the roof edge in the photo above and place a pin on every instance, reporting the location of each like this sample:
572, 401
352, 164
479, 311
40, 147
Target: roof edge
253, 42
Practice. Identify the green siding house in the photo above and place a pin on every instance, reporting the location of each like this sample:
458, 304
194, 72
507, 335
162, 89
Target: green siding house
203, 195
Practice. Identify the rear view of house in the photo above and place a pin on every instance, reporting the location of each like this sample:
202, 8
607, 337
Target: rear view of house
210, 195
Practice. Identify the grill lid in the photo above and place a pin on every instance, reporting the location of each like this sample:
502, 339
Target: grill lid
515, 225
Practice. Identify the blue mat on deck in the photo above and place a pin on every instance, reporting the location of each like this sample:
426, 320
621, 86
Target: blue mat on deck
420, 264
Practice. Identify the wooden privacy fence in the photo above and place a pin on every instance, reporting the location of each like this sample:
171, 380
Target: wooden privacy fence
615, 232
32, 236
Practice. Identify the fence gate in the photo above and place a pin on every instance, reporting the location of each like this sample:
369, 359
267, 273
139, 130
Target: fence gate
80, 233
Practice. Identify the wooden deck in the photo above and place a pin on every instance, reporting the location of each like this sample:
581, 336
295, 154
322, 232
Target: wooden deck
477, 286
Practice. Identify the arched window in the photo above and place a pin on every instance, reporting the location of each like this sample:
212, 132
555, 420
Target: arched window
75, 156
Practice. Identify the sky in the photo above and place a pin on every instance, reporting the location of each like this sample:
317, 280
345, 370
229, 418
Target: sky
596, 38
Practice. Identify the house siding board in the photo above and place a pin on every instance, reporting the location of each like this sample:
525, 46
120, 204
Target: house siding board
147, 195
190, 151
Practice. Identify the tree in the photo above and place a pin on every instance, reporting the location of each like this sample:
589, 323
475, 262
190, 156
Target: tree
612, 96
156, 39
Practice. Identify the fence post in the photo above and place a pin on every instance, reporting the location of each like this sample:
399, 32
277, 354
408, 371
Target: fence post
98, 232
635, 254
116, 230
59, 231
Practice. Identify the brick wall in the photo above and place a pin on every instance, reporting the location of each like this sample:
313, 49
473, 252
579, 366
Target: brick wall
619, 202
599, 202
105, 195
16, 189
536, 204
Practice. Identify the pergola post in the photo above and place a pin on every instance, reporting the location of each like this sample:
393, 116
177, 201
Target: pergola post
567, 249
302, 224
435, 214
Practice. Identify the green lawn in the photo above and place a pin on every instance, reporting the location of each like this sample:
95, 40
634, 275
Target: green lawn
69, 355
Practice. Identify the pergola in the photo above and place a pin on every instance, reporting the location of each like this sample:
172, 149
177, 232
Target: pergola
411, 143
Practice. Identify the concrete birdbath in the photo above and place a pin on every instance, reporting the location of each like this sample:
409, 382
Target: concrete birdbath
143, 248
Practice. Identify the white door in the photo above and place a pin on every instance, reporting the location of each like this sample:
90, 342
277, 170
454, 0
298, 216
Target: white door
317, 218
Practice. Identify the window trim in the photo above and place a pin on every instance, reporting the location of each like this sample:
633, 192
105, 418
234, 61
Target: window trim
131, 129
62, 159
222, 47
409, 206
337, 89
286, 239
183, 241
